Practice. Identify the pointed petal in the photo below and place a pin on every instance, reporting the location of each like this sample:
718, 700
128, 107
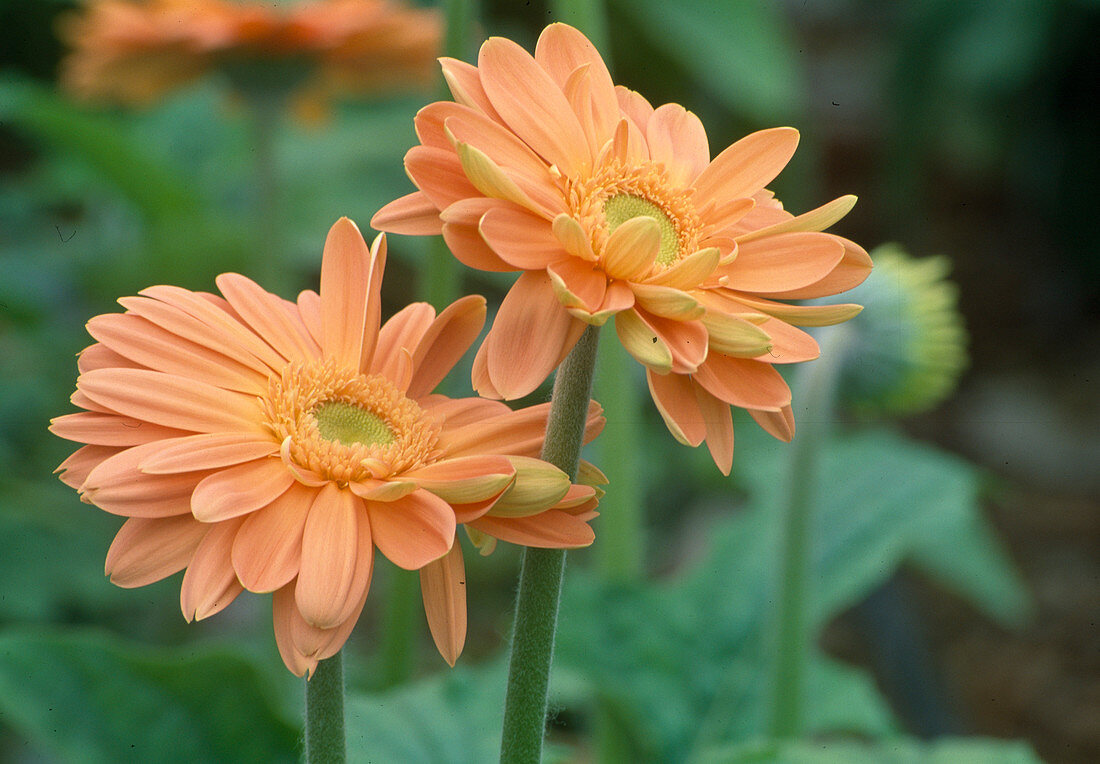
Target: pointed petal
99, 356
382, 490
674, 396
413, 215
284, 613
99, 429
75, 470
149, 549
853, 268
733, 336
351, 276
465, 479
538, 486
743, 382
667, 302
685, 340
402, 332
677, 138
521, 238
801, 315
271, 317
443, 587
267, 550
172, 401
470, 249
552, 529
532, 104
456, 412
206, 451
690, 272
635, 106
815, 220
578, 284
783, 262
632, 248
116, 485
414, 530
330, 546
747, 166
465, 83
789, 345
573, 237
241, 489
528, 336
778, 424
719, 422
210, 582
309, 308
439, 175
561, 50
445, 342
642, 342
491, 180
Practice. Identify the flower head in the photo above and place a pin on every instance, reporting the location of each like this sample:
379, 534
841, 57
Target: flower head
612, 208
269, 445
136, 52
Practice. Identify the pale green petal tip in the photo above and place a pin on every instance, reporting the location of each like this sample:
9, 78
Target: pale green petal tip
911, 344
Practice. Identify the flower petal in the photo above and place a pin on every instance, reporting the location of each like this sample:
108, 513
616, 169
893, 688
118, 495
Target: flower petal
690, 272
271, 317
552, 529
685, 340
801, 315
562, 50
719, 422
635, 106
443, 588
853, 268
470, 249
572, 237
171, 401
521, 238
677, 138
532, 104
445, 342
267, 550
642, 342
149, 549
492, 180
733, 336
538, 486
99, 429
465, 479
330, 547
783, 262
528, 337
414, 530
74, 471
674, 396
744, 382
632, 248
439, 175
667, 302
778, 424
402, 332
789, 345
351, 278
465, 83
240, 489
413, 215
578, 284
747, 166
118, 486
284, 613
206, 451
210, 583
815, 220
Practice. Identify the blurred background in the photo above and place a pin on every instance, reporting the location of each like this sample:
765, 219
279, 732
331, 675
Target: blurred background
956, 568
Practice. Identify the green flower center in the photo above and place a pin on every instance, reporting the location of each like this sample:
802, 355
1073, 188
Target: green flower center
622, 207
349, 424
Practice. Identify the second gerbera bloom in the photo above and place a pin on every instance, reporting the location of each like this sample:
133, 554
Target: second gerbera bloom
612, 208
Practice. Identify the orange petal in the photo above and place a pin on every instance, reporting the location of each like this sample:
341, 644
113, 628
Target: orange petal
309, 308
402, 332
345, 295
783, 262
814, 220
532, 104
519, 432
577, 284
443, 587
552, 529
635, 106
99, 356
330, 547
747, 166
778, 424
562, 50
685, 340
465, 84
528, 336
172, 401
667, 302
151, 346
789, 345
210, 582
639, 339
493, 181
445, 342
690, 272
382, 490
719, 421
479, 374
521, 238
801, 315
465, 479
538, 486
206, 451
849, 273
75, 470
470, 249
573, 237
677, 138
267, 549
149, 549
456, 412
412, 531
116, 485
413, 215
734, 336
100, 429
270, 316
744, 382
632, 248
284, 614
240, 489
439, 175
674, 396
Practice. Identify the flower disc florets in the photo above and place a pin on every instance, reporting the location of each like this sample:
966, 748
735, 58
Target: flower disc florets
346, 426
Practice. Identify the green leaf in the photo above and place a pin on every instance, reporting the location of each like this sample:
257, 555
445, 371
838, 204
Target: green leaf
739, 50
892, 751
84, 696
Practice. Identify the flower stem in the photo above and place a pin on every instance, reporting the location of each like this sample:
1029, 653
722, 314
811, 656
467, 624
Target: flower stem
542, 570
791, 636
325, 713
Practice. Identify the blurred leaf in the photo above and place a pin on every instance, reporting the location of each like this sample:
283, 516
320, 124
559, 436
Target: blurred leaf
740, 50
87, 697
892, 751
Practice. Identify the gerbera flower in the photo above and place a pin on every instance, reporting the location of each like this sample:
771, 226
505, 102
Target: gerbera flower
271, 446
135, 52
612, 208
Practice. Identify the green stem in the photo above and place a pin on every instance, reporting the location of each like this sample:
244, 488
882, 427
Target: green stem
791, 637
325, 742
542, 570
400, 635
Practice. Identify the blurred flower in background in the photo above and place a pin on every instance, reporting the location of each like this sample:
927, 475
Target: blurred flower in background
137, 52
908, 350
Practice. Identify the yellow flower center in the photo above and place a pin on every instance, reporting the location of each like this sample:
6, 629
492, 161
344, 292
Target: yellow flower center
345, 426
615, 193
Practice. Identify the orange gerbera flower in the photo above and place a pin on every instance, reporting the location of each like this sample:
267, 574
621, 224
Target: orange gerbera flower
270, 446
614, 208
137, 51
